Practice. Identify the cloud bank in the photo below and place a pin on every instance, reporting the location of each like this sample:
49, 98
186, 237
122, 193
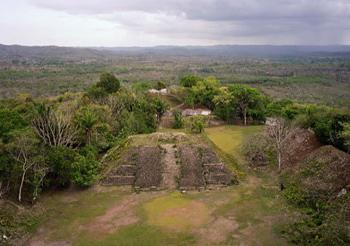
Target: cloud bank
178, 22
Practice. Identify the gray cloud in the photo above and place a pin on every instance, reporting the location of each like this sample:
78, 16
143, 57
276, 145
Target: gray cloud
212, 10
220, 21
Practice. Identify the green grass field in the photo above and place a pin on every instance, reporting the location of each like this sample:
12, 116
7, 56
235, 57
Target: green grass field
229, 138
246, 214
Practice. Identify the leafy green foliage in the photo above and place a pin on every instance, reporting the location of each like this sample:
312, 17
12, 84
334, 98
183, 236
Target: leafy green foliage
189, 80
60, 159
329, 126
204, 92
197, 124
240, 100
160, 107
95, 92
224, 106
246, 98
178, 119
108, 82
10, 120
345, 134
85, 168
160, 85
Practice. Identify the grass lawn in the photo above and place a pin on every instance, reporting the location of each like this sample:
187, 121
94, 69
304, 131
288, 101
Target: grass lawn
229, 138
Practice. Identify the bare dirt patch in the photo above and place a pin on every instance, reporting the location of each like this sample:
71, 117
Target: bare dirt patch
217, 231
57, 243
122, 214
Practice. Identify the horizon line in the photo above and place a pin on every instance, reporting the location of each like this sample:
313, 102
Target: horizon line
178, 46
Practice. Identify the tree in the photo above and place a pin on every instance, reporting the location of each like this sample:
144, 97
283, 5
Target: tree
24, 151
95, 125
54, 128
224, 107
178, 119
189, 80
204, 91
109, 83
197, 124
279, 131
345, 134
160, 107
86, 120
244, 97
10, 120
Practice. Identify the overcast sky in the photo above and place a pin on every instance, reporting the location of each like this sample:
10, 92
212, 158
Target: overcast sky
174, 22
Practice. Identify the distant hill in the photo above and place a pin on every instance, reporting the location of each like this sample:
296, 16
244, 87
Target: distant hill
49, 54
237, 50
56, 54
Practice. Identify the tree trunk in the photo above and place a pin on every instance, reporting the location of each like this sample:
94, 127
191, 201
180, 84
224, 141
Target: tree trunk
279, 160
245, 116
21, 186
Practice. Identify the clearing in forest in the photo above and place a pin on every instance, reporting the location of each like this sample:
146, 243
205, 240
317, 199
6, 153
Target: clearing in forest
250, 213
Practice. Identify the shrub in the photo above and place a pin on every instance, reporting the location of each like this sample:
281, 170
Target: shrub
95, 92
178, 119
189, 80
85, 168
109, 83
160, 85
60, 160
197, 123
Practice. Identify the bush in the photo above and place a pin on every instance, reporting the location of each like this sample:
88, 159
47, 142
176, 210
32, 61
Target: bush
85, 168
197, 123
60, 160
189, 80
178, 119
328, 128
95, 92
109, 83
160, 85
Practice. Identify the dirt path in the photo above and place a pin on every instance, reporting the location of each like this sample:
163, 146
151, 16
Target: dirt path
171, 168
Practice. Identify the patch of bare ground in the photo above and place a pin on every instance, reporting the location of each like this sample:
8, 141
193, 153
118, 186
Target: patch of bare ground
41, 243
260, 233
122, 214
171, 169
217, 231
40, 239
